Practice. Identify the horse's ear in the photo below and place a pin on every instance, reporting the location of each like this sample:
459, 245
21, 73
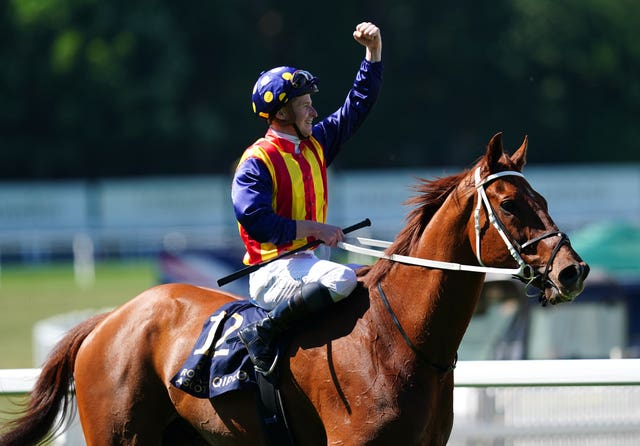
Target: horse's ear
519, 158
494, 151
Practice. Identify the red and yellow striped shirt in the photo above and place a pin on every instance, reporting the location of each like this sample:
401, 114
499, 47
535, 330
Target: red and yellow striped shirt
299, 189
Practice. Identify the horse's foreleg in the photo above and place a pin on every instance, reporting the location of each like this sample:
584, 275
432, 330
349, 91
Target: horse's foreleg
442, 423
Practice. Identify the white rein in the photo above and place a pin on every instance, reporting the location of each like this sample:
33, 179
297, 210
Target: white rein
524, 271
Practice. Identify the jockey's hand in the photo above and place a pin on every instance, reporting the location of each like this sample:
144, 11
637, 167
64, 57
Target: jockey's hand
368, 34
329, 234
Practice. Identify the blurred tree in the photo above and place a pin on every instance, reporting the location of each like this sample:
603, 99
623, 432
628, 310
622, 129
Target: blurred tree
583, 60
92, 89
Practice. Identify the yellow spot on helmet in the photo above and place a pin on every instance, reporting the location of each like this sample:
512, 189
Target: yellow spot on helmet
283, 97
287, 76
253, 104
268, 97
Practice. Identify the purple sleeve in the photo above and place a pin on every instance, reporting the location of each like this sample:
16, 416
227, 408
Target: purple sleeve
338, 127
251, 193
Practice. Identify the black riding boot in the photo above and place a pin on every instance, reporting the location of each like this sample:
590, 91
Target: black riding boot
260, 337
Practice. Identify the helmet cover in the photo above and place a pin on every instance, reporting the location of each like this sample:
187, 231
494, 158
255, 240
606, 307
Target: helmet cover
274, 88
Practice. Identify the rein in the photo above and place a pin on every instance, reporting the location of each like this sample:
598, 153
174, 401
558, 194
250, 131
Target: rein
440, 368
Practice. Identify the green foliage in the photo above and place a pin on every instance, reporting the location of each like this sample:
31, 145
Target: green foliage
91, 88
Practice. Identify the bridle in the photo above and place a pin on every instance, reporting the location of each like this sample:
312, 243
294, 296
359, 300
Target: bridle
524, 272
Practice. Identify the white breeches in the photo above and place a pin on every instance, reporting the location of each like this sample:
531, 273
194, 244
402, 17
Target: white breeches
279, 280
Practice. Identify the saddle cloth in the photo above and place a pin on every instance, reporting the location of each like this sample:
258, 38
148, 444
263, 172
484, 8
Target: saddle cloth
219, 361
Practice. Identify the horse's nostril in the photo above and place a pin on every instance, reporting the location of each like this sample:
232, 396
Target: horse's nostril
570, 275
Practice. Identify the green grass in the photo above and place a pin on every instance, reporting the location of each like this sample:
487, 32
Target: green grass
32, 293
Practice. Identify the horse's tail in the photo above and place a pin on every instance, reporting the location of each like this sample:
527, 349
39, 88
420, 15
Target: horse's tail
52, 392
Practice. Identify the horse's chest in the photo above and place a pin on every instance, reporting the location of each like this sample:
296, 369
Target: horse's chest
393, 399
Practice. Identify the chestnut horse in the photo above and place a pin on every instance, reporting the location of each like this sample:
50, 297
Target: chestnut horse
375, 370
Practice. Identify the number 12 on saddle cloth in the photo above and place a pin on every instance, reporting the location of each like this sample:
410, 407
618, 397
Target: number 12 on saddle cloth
219, 362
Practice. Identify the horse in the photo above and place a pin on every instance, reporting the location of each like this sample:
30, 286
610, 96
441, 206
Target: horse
375, 369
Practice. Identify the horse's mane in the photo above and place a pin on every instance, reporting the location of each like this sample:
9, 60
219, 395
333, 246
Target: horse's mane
430, 195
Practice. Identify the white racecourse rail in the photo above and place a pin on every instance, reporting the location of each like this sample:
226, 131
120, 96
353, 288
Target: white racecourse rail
532, 402
540, 373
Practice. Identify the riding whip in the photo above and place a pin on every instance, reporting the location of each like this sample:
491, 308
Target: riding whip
251, 268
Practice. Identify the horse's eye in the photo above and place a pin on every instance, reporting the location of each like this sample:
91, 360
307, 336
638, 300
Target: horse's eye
509, 206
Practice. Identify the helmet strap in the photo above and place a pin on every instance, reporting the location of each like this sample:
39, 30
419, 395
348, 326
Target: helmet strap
291, 122
300, 135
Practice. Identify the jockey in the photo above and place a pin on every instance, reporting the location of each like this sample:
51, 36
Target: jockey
280, 195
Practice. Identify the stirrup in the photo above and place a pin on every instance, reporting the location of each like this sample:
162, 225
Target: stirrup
266, 373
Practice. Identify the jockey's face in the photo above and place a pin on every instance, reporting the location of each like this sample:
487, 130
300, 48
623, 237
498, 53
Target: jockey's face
299, 111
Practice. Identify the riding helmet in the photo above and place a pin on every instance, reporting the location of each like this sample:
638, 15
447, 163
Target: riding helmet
274, 88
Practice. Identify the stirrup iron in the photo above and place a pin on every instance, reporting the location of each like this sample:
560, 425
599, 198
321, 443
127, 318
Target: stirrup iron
274, 364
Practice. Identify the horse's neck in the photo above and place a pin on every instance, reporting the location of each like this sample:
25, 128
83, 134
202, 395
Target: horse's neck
435, 306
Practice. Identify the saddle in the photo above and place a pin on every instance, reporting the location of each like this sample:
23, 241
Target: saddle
219, 363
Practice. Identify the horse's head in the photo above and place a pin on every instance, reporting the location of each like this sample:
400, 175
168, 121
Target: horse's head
511, 225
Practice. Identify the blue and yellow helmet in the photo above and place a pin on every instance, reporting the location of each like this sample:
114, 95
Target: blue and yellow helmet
274, 88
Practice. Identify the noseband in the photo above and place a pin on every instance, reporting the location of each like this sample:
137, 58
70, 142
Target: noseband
526, 272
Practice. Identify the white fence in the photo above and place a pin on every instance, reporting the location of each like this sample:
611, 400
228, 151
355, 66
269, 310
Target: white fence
546, 373
561, 402
17, 381
520, 403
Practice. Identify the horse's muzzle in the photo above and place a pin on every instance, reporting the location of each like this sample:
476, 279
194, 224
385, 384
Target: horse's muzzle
568, 283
